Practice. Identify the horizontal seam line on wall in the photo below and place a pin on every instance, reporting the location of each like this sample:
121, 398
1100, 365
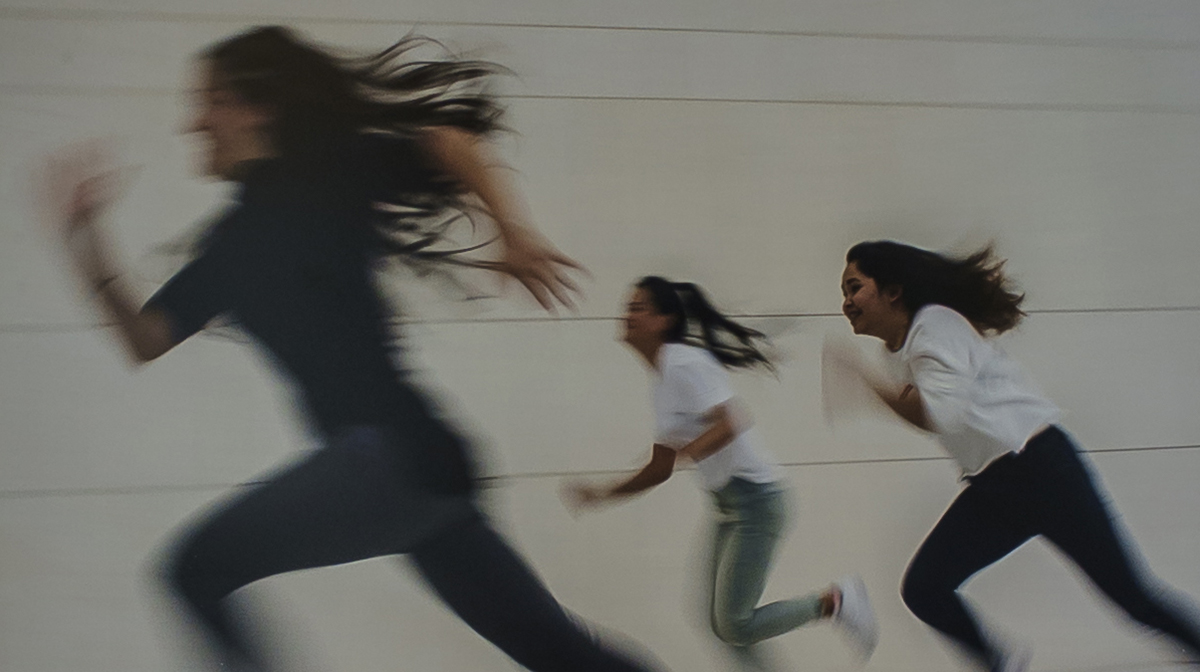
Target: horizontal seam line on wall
78, 328
1099, 108
1176, 109
77, 15
489, 481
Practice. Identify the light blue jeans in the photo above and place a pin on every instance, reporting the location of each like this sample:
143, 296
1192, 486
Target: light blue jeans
750, 521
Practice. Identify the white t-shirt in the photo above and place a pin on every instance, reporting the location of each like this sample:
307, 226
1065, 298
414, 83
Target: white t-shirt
981, 403
690, 383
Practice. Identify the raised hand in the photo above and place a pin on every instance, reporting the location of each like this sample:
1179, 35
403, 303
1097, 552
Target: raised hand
77, 185
74, 188
532, 260
580, 496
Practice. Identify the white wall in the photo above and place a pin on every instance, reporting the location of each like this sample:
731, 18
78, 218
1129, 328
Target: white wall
743, 145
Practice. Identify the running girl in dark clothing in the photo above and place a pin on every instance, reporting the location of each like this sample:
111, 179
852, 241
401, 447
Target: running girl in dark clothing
318, 146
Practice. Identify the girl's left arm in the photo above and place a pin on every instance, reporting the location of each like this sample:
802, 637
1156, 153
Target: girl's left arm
528, 255
841, 356
580, 495
723, 427
906, 403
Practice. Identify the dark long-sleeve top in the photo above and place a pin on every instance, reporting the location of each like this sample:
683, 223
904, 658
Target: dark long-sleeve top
292, 263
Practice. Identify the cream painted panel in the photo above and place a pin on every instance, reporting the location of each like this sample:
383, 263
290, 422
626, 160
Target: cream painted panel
75, 416
1123, 380
75, 575
758, 202
539, 398
634, 63
1167, 20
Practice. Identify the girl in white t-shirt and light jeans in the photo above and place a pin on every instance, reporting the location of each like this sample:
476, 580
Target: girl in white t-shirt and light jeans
1025, 476
688, 345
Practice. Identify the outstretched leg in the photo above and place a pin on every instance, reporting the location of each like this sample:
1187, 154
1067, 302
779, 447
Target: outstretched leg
1083, 527
977, 530
752, 520
492, 589
350, 501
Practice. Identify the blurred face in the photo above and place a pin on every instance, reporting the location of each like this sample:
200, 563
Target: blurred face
644, 325
232, 130
872, 312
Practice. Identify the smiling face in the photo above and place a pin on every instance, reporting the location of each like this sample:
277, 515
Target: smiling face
644, 325
871, 311
233, 130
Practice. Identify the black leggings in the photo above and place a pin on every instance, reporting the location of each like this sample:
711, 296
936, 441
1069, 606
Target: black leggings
357, 499
1044, 490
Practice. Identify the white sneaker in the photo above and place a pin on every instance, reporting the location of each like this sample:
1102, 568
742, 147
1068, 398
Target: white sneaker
1015, 661
855, 617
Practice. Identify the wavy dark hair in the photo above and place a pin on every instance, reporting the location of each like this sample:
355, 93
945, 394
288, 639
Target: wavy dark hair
731, 343
975, 285
321, 100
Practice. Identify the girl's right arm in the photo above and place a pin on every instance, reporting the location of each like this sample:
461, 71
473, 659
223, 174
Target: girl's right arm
580, 495
75, 192
906, 403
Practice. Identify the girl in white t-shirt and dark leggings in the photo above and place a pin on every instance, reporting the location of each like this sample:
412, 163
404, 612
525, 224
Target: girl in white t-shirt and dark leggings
688, 344
1025, 476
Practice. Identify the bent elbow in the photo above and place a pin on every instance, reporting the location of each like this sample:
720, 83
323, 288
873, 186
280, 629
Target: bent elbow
661, 467
140, 354
732, 419
137, 359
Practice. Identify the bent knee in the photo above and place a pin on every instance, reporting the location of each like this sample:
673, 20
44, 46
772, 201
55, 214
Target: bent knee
169, 570
1146, 610
921, 593
180, 577
186, 575
732, 631
910, 591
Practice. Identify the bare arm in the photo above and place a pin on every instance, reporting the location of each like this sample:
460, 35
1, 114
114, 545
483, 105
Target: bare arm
842, 358
723, 428
528, 255
145, 334
721, 431
907, 404
658, 470
75, 193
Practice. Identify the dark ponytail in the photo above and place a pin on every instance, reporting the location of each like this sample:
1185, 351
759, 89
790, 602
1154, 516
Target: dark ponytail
698, 323
974, 286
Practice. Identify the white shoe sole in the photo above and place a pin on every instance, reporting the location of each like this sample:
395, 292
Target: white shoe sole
855, 618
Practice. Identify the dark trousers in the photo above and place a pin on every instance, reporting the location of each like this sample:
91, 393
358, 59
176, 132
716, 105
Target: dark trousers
359, 498
1045, 490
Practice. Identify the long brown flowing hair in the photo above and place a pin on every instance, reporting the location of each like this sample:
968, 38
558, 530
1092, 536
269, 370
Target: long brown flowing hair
975, 285
321, 100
